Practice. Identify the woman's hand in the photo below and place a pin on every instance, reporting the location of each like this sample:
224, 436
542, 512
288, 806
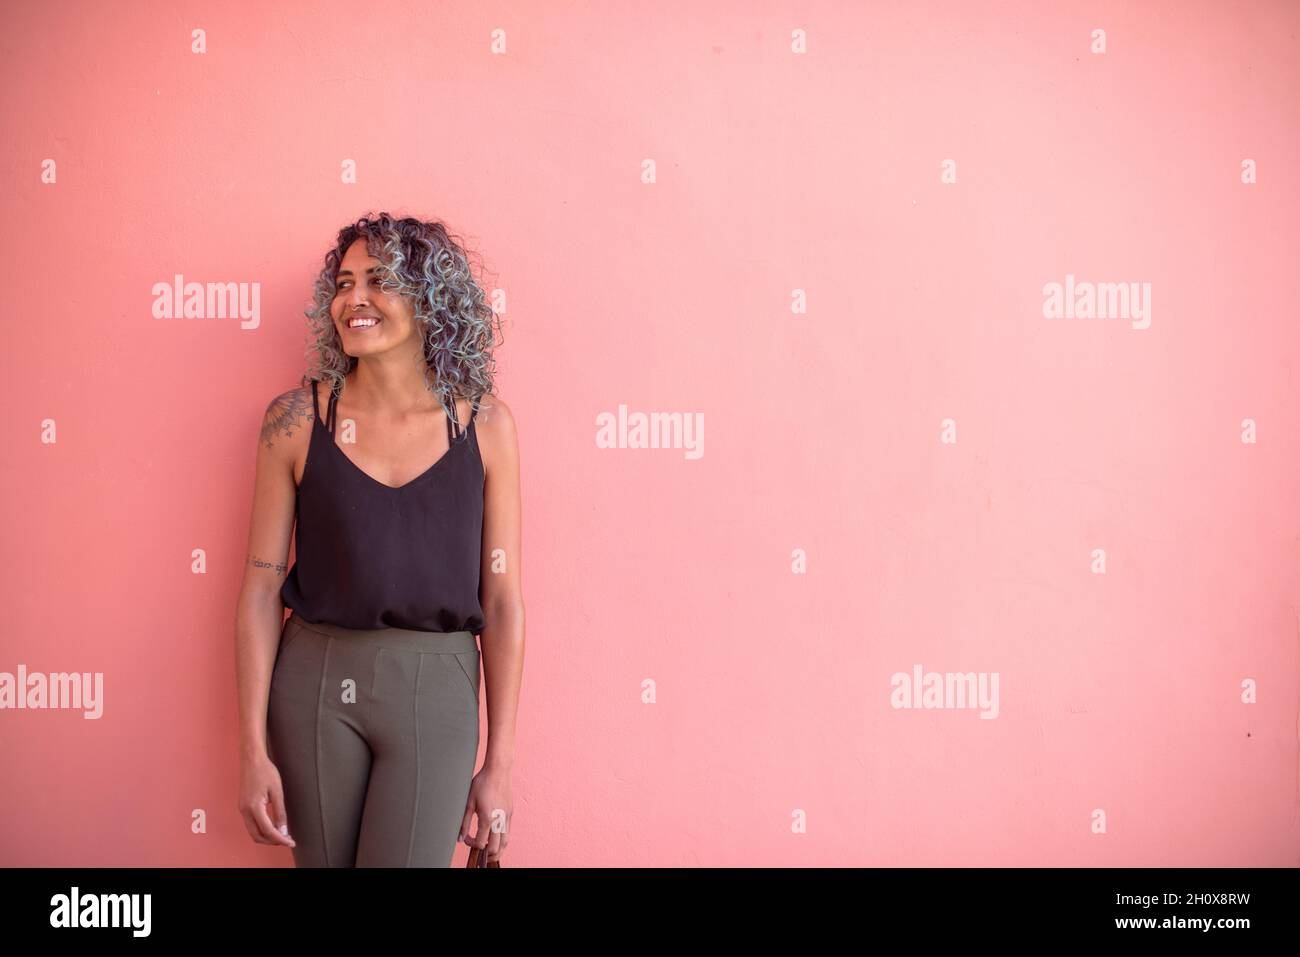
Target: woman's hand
261, 802
490, 801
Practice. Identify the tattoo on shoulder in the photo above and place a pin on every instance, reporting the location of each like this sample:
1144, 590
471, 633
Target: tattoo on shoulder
286, 414
259, 563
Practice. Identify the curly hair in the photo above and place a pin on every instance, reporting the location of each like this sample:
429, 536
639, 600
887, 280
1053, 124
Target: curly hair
422, 262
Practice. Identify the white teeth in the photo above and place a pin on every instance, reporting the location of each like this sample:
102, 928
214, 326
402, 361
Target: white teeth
361, 323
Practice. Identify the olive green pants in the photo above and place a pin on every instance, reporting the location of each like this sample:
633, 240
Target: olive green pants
375, 734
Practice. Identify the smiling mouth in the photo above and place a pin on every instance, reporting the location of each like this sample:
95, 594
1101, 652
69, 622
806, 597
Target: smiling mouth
363, 322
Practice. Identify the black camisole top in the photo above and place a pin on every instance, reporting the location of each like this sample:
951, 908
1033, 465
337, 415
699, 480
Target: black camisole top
372, 556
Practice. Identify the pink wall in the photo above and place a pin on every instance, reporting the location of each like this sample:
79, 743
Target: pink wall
774, 171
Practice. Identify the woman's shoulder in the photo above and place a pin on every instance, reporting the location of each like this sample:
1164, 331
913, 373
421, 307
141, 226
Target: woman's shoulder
493, 413
495, 427
287, 416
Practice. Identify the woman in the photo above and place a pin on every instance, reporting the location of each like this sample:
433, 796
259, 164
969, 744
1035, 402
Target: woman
359, 715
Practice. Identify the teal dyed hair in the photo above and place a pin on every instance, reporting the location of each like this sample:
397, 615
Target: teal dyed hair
422, 262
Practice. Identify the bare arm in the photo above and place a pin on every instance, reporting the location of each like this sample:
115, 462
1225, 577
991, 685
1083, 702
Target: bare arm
259, 616
501, 590
502, 640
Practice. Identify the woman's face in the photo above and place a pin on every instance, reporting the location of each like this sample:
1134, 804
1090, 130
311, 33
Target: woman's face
368, 319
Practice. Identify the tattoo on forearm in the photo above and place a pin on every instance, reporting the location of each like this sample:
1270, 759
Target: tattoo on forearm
286, 413
258, 563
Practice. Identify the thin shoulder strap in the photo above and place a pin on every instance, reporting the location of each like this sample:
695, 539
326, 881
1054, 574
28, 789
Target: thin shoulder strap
331, 411
453, 427
315, 400
452, 435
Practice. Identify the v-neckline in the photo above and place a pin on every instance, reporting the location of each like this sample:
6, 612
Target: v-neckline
460, 440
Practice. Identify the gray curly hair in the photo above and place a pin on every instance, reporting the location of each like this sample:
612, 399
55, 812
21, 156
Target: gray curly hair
421, 261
